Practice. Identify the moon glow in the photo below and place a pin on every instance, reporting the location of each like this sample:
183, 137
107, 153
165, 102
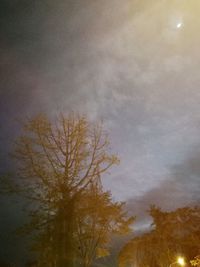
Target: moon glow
179, 25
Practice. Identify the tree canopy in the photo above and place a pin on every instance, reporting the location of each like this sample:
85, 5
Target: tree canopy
59, 165
173, 233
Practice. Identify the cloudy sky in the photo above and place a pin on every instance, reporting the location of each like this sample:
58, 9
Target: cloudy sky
133, 63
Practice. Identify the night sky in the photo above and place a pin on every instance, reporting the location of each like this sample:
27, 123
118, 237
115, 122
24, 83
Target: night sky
133, 63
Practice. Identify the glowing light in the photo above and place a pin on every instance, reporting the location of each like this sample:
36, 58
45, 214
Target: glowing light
179, 25
181, 261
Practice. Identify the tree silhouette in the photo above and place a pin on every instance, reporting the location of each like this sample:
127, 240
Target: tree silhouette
97, 219
172, 234
57, 161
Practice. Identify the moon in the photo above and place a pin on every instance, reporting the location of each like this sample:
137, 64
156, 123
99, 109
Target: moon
179, 25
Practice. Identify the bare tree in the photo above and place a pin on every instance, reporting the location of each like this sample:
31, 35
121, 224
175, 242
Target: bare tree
98, 219
56, 163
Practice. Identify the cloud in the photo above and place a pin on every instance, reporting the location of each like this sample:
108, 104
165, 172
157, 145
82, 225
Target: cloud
110, 60
123, 61
181, 188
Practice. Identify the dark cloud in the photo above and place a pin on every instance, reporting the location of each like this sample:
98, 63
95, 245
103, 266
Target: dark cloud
181, 188
123, 61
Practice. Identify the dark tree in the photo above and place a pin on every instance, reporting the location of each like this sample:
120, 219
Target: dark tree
57, 161
173, 233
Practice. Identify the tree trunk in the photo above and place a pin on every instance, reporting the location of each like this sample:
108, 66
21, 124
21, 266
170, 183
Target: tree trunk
66, 237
